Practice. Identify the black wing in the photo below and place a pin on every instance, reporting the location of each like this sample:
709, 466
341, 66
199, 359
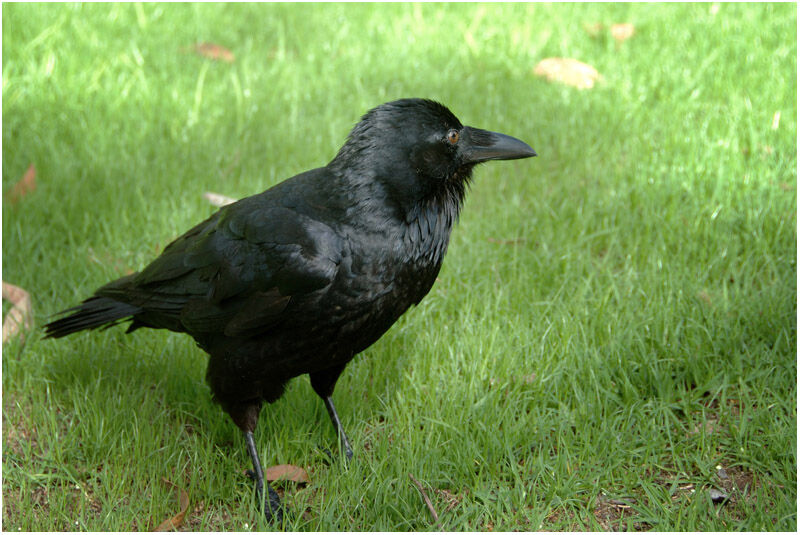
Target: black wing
234, 273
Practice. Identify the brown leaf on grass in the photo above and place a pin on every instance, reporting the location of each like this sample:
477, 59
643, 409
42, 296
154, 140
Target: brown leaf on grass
176, 521
26, 185
289, 472
622, 32
217, 199
20, 316
530, 378
567, 71
214, 51
704, 297
594, 29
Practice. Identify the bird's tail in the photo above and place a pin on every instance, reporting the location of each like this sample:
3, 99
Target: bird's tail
93, 313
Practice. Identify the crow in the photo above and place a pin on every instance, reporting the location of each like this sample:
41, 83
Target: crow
306, 275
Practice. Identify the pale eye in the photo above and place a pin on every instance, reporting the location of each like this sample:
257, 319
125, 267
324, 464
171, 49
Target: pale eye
452, 136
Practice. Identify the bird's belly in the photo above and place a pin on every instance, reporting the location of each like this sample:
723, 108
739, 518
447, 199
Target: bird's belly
318, 331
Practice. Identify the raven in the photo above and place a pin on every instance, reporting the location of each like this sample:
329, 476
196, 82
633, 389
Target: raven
304, 276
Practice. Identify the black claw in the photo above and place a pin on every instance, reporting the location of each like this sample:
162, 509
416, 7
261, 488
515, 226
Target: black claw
329, 458
348, 451
274, 512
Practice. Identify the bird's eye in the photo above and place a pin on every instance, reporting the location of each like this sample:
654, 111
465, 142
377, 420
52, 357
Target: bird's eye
452, 136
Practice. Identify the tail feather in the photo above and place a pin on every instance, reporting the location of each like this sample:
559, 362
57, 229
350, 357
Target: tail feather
93, 313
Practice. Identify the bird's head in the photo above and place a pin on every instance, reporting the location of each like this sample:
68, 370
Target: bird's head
417, 150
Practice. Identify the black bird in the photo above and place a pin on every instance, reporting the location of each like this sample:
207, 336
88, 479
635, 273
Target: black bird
304, 276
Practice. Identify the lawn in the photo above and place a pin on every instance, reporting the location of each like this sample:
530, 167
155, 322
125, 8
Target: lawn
611, 343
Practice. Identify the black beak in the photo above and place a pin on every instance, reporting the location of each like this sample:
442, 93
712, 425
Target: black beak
478, 146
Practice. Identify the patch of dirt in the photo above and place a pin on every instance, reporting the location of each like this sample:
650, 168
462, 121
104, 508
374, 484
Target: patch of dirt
218, 518
14, 430
448, 500
559, 516
611, 514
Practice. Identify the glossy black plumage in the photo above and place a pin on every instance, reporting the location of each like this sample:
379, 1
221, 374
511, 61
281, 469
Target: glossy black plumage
302, 277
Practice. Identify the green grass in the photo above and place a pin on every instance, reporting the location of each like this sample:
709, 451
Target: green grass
614, 320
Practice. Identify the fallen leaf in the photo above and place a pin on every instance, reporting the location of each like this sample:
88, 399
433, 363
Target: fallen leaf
567, 71
214, 51
286, 471
622, 32
530, 378
26, 185
218, 200
176, 521
19, 317
594, 29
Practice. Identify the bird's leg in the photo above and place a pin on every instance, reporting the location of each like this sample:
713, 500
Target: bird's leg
323, 382
273, 510
337, 424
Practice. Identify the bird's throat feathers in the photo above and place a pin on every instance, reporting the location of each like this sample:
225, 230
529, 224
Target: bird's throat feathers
430, 221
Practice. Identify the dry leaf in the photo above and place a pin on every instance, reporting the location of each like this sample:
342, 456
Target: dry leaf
703, 296
20, 316
218, 200
214, 51
286, 471
25, 186
594, 29
567, 71
176, 521
530, 378
622, 32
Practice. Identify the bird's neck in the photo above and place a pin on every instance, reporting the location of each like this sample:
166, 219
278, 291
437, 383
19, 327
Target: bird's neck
428, 224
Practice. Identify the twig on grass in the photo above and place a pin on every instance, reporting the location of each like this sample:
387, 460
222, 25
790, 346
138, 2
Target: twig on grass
425, 497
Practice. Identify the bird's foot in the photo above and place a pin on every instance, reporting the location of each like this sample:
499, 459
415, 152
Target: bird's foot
274, 511
331, 458
348, 451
